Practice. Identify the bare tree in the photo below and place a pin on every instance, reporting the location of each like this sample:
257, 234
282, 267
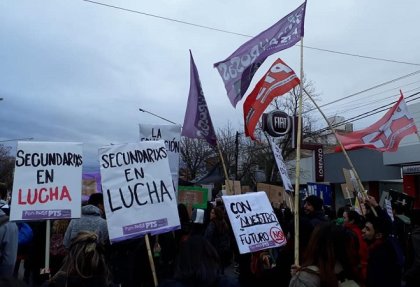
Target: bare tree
7, 165
195, 154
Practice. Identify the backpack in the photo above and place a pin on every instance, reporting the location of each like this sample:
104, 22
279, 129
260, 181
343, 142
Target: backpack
25, 233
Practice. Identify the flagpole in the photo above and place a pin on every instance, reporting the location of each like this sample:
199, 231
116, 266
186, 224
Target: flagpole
359, 182
224, 169
297, 173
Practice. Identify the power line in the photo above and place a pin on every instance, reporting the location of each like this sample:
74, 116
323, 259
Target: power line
356, 105
368, 89
366, 114
244, 35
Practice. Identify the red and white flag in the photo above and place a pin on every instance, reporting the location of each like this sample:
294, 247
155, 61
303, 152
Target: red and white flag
279, 79
384, 135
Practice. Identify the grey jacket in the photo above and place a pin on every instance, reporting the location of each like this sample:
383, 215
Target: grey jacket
9, 234
91, 220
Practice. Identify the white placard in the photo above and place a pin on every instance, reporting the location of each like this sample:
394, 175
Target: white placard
139, 196
171, 134
48, 181
253, 221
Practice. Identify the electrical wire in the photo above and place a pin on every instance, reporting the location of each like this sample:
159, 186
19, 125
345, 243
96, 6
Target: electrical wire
244, 35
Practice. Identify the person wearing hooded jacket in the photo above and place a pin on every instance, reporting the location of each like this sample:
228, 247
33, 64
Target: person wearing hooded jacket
91, 220
9, 233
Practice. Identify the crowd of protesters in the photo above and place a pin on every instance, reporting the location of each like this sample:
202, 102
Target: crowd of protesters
346, 249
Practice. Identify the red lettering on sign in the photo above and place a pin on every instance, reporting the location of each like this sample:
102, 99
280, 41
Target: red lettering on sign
277, 235
43, 195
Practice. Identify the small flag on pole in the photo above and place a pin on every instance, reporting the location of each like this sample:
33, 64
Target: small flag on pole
197, 121
287, 184
239, 68
385, 134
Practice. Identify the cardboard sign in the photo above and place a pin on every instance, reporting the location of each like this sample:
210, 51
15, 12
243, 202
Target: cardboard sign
171, 134
347, 194
193, 197
350, 179
253, 221
47, 182
275, 193
139, 196
234, 187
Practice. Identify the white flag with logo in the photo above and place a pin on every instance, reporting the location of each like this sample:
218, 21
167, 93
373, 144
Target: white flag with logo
281, 165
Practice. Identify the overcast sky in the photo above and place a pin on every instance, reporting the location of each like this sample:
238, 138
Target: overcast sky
71, 70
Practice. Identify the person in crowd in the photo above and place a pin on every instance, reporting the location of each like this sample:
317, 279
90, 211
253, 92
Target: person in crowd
9, 235
84, 266
400, 225
329, 259
412, 274
11, 282
340, 217
91, 220
354, 222
129, 263
57, 249
25, 239
197, 265
313, 212
186, 225
385, 258
218, 234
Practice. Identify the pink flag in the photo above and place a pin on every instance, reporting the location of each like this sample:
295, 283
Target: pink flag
384, 135
279, 79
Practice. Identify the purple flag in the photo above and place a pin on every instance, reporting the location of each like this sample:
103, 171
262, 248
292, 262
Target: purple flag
239, 68
197, 121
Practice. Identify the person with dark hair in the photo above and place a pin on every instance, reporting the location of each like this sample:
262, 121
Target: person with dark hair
354, 222
57, 249
97, 199
91, 220
218, 234
84, 265
412, 274
11, 282
197, 265
186, 225
329, 259
385, 259
312, 208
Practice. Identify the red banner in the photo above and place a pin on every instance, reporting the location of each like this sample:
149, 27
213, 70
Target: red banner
279, 79
385, 134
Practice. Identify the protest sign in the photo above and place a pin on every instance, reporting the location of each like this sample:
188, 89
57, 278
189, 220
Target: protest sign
321, 190
47, 182
347, 194
275, 193
254, 222
139, 196
193, 197
171, 134
234, 186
